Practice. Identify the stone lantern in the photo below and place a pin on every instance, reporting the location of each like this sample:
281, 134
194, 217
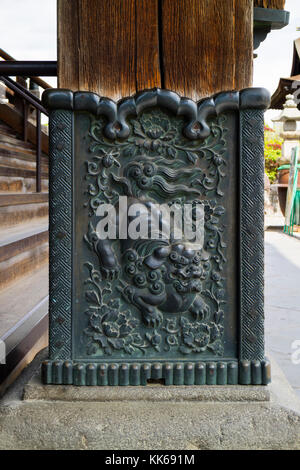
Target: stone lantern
288, 129
291, 138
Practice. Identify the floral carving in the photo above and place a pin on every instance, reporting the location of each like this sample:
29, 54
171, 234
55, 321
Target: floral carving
194, 337
131, 299
109, 328
159, 137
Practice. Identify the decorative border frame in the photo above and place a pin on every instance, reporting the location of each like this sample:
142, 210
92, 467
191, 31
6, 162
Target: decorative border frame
251, 234
251, 368
179, 373
60, 234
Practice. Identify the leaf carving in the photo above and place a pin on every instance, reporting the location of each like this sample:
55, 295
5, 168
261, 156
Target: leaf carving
92, 297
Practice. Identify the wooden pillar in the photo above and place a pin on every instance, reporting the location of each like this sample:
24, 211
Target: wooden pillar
118, 47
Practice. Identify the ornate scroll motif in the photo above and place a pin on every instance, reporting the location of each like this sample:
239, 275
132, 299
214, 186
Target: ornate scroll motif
197, 115
60, 208
161, 158
157, 277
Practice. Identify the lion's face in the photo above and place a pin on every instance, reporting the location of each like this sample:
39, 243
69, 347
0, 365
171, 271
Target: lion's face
183, 268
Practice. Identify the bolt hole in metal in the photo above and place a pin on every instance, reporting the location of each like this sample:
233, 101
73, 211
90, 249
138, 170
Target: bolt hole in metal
156, 382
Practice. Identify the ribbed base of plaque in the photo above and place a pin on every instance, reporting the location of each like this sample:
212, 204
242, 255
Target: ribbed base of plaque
190, 373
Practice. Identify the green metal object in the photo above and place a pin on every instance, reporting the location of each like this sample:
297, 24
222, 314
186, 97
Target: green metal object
287, 167
296, 209
124, 311
265, 20
292, 198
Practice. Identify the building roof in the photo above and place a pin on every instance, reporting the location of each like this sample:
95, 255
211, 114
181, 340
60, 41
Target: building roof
287, 85
296, 58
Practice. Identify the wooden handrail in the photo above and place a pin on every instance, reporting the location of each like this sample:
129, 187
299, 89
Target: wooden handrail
29, 98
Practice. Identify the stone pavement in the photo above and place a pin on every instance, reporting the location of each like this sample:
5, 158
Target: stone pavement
33, 416
282, 302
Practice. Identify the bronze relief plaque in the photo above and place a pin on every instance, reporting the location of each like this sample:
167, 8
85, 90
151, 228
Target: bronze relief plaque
133, 296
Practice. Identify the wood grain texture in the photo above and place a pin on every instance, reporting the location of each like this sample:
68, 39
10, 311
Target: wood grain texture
21, 199
118, 47
210, 43
147, 45
107, 47
243, 44
68, 44
276, 4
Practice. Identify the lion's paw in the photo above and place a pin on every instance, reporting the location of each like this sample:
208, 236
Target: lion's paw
153, 318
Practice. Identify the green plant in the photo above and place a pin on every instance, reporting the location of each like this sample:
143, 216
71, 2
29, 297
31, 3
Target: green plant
273, 144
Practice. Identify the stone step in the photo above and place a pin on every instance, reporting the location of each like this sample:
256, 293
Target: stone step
11, 142
24, 251
18, 163
17, 300
12, 118
18, 209
20, 199
21, 162
23, 326
23, 248
14, 140
8, 131
19, 184
13, 171
18, 151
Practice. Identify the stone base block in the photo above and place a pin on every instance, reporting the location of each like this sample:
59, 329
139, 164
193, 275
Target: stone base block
151, 417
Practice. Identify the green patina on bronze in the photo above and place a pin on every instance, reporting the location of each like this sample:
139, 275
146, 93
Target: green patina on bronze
158, 309
172, 305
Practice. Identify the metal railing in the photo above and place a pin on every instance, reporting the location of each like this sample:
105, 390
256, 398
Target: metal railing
37, 80
29, 68
10, 67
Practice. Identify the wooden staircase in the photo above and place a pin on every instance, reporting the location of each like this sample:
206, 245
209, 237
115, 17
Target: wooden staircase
17, 163
23, 246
